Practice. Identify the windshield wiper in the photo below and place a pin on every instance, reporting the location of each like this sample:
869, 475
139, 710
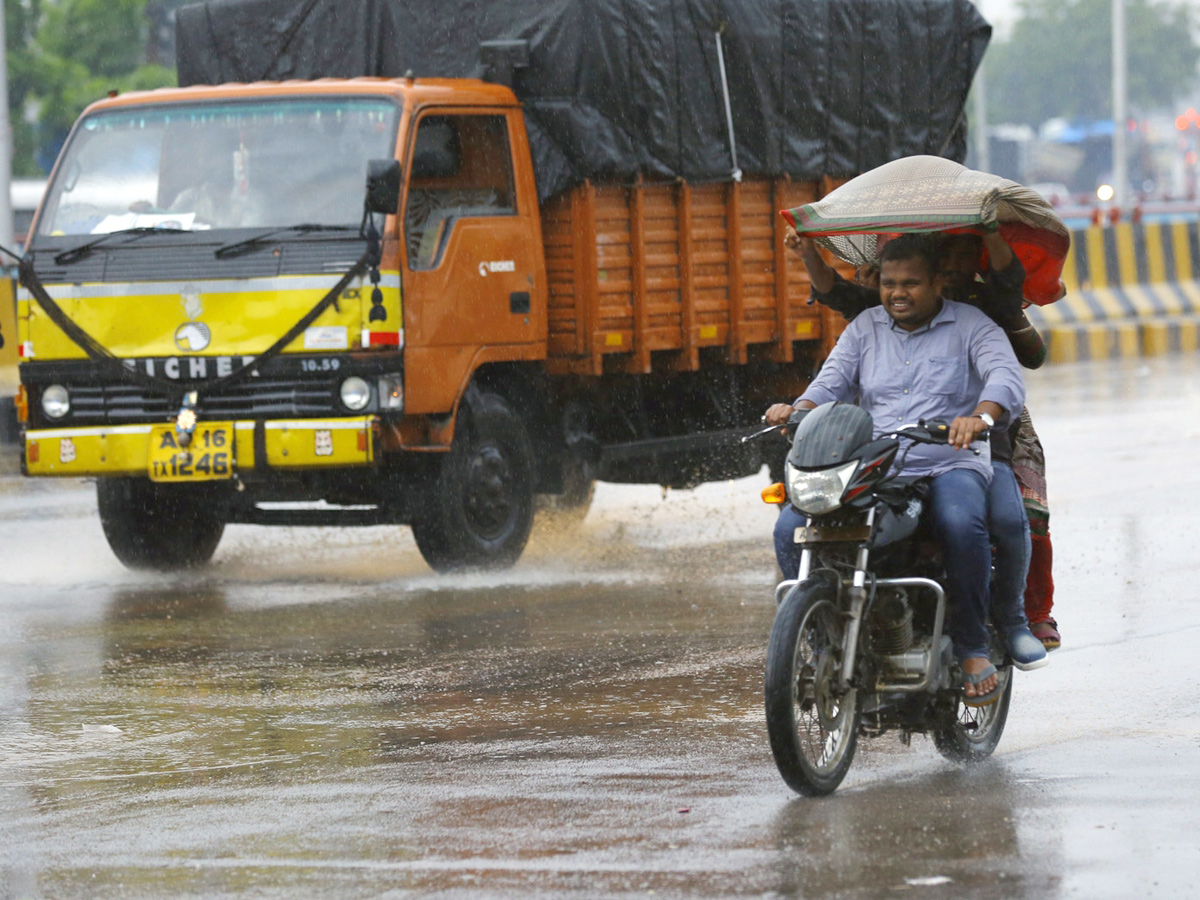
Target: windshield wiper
237, 248
76, 253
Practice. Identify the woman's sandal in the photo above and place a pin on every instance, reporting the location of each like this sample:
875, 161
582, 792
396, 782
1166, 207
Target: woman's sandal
981, 699
1047, 633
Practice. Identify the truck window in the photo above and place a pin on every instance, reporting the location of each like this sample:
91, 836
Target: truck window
204, 165
461, 168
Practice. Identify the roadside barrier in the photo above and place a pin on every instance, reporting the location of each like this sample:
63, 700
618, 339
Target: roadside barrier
8, 358
1131, 291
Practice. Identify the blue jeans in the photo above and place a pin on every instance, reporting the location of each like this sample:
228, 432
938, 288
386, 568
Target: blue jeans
1008, 524
958, 511
787, 551
967, 514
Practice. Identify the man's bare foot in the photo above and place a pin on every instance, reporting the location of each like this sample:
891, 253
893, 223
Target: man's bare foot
973, 668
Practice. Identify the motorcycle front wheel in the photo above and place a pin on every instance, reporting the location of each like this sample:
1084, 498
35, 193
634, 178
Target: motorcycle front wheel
812, 724
968, 734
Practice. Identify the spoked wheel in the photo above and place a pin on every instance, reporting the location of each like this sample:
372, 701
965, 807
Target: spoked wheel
970, 733
813, 725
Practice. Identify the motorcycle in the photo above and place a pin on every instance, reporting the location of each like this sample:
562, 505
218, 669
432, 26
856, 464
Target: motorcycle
858, 647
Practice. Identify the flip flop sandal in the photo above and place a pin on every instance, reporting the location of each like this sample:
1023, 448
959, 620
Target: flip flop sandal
1047, 633
982, 699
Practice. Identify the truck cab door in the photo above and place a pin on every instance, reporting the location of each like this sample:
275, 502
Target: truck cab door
473, 254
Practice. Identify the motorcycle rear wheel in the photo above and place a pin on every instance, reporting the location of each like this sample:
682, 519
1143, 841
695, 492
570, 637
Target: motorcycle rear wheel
969, 734
812, 724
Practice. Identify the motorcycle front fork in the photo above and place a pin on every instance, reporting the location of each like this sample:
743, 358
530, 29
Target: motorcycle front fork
858, 602
860, 563
855, 605
857, 597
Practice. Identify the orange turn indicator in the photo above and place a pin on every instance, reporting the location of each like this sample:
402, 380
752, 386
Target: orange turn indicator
774, 493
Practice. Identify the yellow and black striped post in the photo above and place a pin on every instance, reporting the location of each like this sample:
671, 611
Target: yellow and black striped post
1131, 291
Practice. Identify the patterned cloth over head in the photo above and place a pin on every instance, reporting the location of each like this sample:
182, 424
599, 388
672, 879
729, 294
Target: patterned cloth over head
928, 193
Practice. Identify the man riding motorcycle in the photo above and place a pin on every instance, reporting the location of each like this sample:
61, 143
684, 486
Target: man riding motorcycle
921, 357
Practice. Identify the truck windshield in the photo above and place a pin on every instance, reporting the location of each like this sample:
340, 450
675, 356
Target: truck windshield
201, 166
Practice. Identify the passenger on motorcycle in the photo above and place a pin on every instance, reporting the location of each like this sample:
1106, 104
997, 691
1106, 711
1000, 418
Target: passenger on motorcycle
996, 291
918, 356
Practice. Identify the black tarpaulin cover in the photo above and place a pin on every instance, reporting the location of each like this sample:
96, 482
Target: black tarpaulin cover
620, 87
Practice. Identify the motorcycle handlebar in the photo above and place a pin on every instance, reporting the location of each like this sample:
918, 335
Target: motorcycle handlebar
934, 431
789, 425
761, 433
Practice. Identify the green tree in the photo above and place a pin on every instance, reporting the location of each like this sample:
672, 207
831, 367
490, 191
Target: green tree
1058, 60
20, 26
63, 55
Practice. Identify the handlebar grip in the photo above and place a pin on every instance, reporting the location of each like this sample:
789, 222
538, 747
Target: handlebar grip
938, 429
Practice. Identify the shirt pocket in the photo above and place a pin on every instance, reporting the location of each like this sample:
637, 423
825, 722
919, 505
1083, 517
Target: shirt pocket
946, 375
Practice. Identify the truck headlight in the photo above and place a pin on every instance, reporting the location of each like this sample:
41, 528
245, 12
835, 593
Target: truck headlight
356, 393
821, 491
56, 402
391, 392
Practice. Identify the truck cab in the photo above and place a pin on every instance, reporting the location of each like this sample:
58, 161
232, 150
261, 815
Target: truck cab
167, 336
472, 242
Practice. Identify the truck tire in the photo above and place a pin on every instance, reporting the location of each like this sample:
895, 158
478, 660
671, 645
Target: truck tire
479, 509
155, 526
566, 511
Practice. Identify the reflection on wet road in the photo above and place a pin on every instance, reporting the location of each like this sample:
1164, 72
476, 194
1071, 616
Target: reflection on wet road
318, 715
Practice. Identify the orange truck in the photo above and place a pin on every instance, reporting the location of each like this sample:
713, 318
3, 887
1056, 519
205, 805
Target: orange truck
343, 302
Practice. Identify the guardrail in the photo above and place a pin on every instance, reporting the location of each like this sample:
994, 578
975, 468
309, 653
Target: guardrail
1131, 291
8, 358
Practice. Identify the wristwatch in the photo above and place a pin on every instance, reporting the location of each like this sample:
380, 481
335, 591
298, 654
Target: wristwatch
987, 420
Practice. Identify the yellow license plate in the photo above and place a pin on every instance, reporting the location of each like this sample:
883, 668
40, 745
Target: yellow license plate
208, 456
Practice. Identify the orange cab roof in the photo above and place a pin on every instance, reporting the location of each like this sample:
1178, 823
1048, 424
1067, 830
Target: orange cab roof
421, 91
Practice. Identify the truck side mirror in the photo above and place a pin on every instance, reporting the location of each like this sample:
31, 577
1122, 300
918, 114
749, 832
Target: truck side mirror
501, 60
383, 186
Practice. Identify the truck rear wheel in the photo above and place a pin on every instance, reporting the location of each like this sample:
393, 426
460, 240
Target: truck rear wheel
566, 511
479, 509
155, 526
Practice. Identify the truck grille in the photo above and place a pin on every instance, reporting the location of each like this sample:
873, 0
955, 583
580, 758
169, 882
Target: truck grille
129, 403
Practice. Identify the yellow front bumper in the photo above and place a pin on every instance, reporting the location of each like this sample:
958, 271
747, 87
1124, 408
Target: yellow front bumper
124, 449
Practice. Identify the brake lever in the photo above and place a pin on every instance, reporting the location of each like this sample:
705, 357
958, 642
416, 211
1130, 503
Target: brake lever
761, 432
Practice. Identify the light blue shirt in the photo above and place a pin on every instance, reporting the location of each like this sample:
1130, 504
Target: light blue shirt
942, 370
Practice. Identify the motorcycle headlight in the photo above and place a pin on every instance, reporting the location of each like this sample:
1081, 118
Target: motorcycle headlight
56, 402
821, 491
356, 393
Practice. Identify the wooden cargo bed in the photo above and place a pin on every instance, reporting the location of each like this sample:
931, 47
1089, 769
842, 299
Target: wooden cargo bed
642, 277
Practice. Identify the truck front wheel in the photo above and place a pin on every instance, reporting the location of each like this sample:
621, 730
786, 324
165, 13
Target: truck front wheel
154, 526
479, 509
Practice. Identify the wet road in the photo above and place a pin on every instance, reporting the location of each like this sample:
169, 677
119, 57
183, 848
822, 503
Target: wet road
317, 715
